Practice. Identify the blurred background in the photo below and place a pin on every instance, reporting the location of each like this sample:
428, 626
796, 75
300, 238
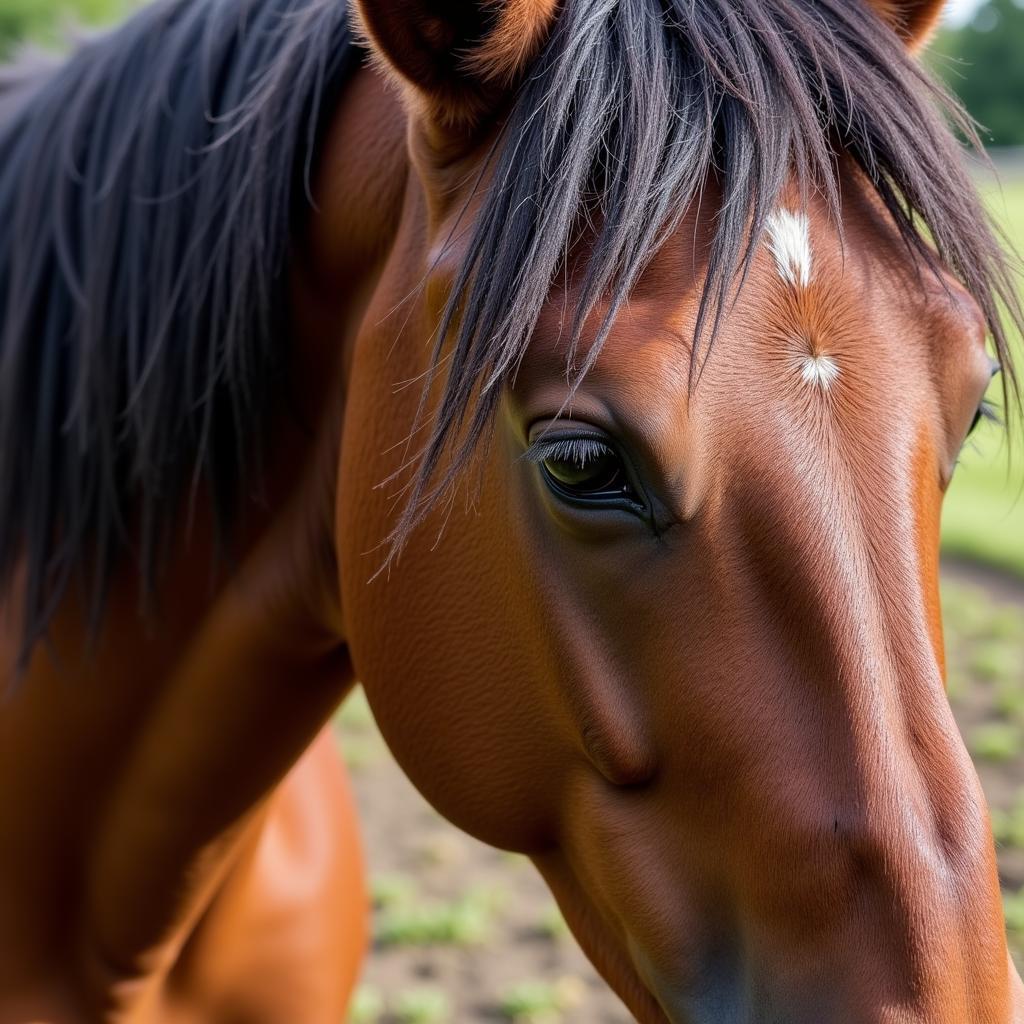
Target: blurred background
464, 933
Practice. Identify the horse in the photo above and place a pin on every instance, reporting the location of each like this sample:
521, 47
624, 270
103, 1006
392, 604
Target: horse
583, 378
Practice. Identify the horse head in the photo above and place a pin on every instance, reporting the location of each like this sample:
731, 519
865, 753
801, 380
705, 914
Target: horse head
704, 383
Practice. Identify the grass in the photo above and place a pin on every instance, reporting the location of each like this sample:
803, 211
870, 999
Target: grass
367, 1006
47, 22
983, 518
540, 1002
532, 1002
995, 741
985, 647
422, 1006
1008, 824
465, 921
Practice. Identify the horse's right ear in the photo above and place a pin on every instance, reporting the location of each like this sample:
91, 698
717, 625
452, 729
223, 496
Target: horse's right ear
458, 55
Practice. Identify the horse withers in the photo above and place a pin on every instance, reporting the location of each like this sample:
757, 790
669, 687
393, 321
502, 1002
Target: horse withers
595, 415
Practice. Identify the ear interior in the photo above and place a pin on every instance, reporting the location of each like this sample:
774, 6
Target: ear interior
447, 49
914, 20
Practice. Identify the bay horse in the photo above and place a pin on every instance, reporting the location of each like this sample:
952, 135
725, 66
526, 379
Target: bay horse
583, 378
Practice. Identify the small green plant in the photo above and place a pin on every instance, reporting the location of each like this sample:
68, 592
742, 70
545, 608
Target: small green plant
367, 1006
421, 1006
997, 661
387, 891
997, 741
462, 922
532, 1002
540, 1002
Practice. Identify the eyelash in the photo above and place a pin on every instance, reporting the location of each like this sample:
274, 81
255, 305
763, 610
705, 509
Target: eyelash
579, 450
987, 412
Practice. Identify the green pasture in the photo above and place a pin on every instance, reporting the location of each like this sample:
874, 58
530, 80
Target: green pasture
983, 517
47, 21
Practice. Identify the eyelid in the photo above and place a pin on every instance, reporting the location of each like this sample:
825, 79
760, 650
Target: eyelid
588, 444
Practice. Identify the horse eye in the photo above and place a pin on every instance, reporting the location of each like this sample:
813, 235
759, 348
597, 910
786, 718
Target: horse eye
986, 411
586, 469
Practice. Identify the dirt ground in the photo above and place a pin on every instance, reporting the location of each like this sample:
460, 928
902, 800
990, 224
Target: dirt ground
464, 933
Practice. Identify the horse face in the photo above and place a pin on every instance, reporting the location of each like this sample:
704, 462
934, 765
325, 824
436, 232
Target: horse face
771, 814
683, 648
683, 645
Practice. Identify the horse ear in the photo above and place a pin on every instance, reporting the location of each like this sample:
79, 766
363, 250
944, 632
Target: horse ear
457, 54
914, 20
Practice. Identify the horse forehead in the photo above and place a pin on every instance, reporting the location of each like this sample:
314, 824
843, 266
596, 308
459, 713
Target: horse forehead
808, 272
825, 299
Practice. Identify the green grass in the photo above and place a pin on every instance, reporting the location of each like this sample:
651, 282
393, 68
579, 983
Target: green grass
995, 741
540, 1002
1013, 906
532, 1002
422, 1006
466, 921
983, 516
1008, 824
47, 21
367, 1006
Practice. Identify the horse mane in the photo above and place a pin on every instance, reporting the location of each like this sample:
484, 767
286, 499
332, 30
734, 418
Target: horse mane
630, 110
149, 189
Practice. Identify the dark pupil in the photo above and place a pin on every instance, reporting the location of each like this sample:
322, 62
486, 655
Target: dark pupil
596, 473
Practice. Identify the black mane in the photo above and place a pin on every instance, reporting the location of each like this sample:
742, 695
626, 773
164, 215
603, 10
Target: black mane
148, 191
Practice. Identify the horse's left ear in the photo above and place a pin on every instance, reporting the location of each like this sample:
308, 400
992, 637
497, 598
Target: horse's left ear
914, 20
456, 54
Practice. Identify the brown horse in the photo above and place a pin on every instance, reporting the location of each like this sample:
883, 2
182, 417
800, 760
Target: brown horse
595, 414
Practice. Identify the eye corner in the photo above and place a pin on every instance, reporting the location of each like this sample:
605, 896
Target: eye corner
987, 412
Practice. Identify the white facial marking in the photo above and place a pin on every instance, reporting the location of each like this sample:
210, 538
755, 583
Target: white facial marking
789, 240
819, 370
